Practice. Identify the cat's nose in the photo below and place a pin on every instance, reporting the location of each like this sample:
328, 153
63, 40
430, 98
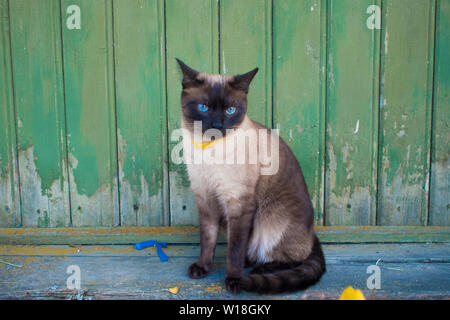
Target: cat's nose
217, 124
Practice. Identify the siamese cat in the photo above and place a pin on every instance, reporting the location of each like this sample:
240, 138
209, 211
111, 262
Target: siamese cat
268, 217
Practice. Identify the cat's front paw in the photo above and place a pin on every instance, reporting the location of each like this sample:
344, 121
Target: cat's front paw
233, 285
195, 271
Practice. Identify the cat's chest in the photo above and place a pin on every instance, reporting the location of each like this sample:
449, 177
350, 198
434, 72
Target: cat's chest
225, 180
215, 171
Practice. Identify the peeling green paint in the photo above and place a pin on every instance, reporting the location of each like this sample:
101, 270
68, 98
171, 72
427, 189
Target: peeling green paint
141, 111
405, 127
373, 147
9, 180
202, 53
90, 116
54, 200
87, 98
253, 23
351, 115
298, 106
440, 150
43, 219
36, 60
39, 96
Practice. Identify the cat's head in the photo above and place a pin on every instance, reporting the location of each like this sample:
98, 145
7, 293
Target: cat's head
218, 101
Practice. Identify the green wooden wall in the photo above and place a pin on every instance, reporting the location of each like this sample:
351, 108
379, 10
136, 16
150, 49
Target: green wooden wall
86, 115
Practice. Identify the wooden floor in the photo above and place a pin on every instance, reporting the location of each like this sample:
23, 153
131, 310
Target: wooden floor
408, 271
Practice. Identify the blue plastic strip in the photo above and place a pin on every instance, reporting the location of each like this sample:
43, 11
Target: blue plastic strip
162, 255
152, 243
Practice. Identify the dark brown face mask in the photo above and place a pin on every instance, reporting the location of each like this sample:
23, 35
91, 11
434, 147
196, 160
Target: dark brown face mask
218, 101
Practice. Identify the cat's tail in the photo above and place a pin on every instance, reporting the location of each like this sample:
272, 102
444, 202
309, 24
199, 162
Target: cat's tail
300, 277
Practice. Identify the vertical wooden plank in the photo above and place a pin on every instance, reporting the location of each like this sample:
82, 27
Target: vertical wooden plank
440, 162
38, 87
246, 43
140, 91
298, 106
407, 36
89, 93
9, 179
192, 36
352, 92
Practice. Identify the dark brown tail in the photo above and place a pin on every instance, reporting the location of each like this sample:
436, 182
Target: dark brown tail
300, 277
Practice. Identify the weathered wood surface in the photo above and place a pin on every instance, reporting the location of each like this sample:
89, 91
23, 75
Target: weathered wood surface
249, 28
352, 115
299, 106
405, 111
9, 178
90, 115
37, 72
439, 213
127, 235
141, 112
121, 272
86, 115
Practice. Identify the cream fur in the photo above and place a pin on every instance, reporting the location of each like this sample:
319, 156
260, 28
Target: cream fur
229, 183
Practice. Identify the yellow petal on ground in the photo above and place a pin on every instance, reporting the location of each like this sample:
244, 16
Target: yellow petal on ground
173, 290
352, 294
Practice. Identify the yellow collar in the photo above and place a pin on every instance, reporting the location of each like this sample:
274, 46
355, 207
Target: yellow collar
204, 145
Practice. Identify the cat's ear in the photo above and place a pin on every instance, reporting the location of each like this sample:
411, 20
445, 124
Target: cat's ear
242, 81
189, 75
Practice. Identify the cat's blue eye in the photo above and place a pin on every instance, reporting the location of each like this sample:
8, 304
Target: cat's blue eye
202, 107
230, 110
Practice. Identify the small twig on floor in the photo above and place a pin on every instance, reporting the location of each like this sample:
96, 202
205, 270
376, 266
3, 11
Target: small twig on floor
396, 269
10, 264
390, 268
